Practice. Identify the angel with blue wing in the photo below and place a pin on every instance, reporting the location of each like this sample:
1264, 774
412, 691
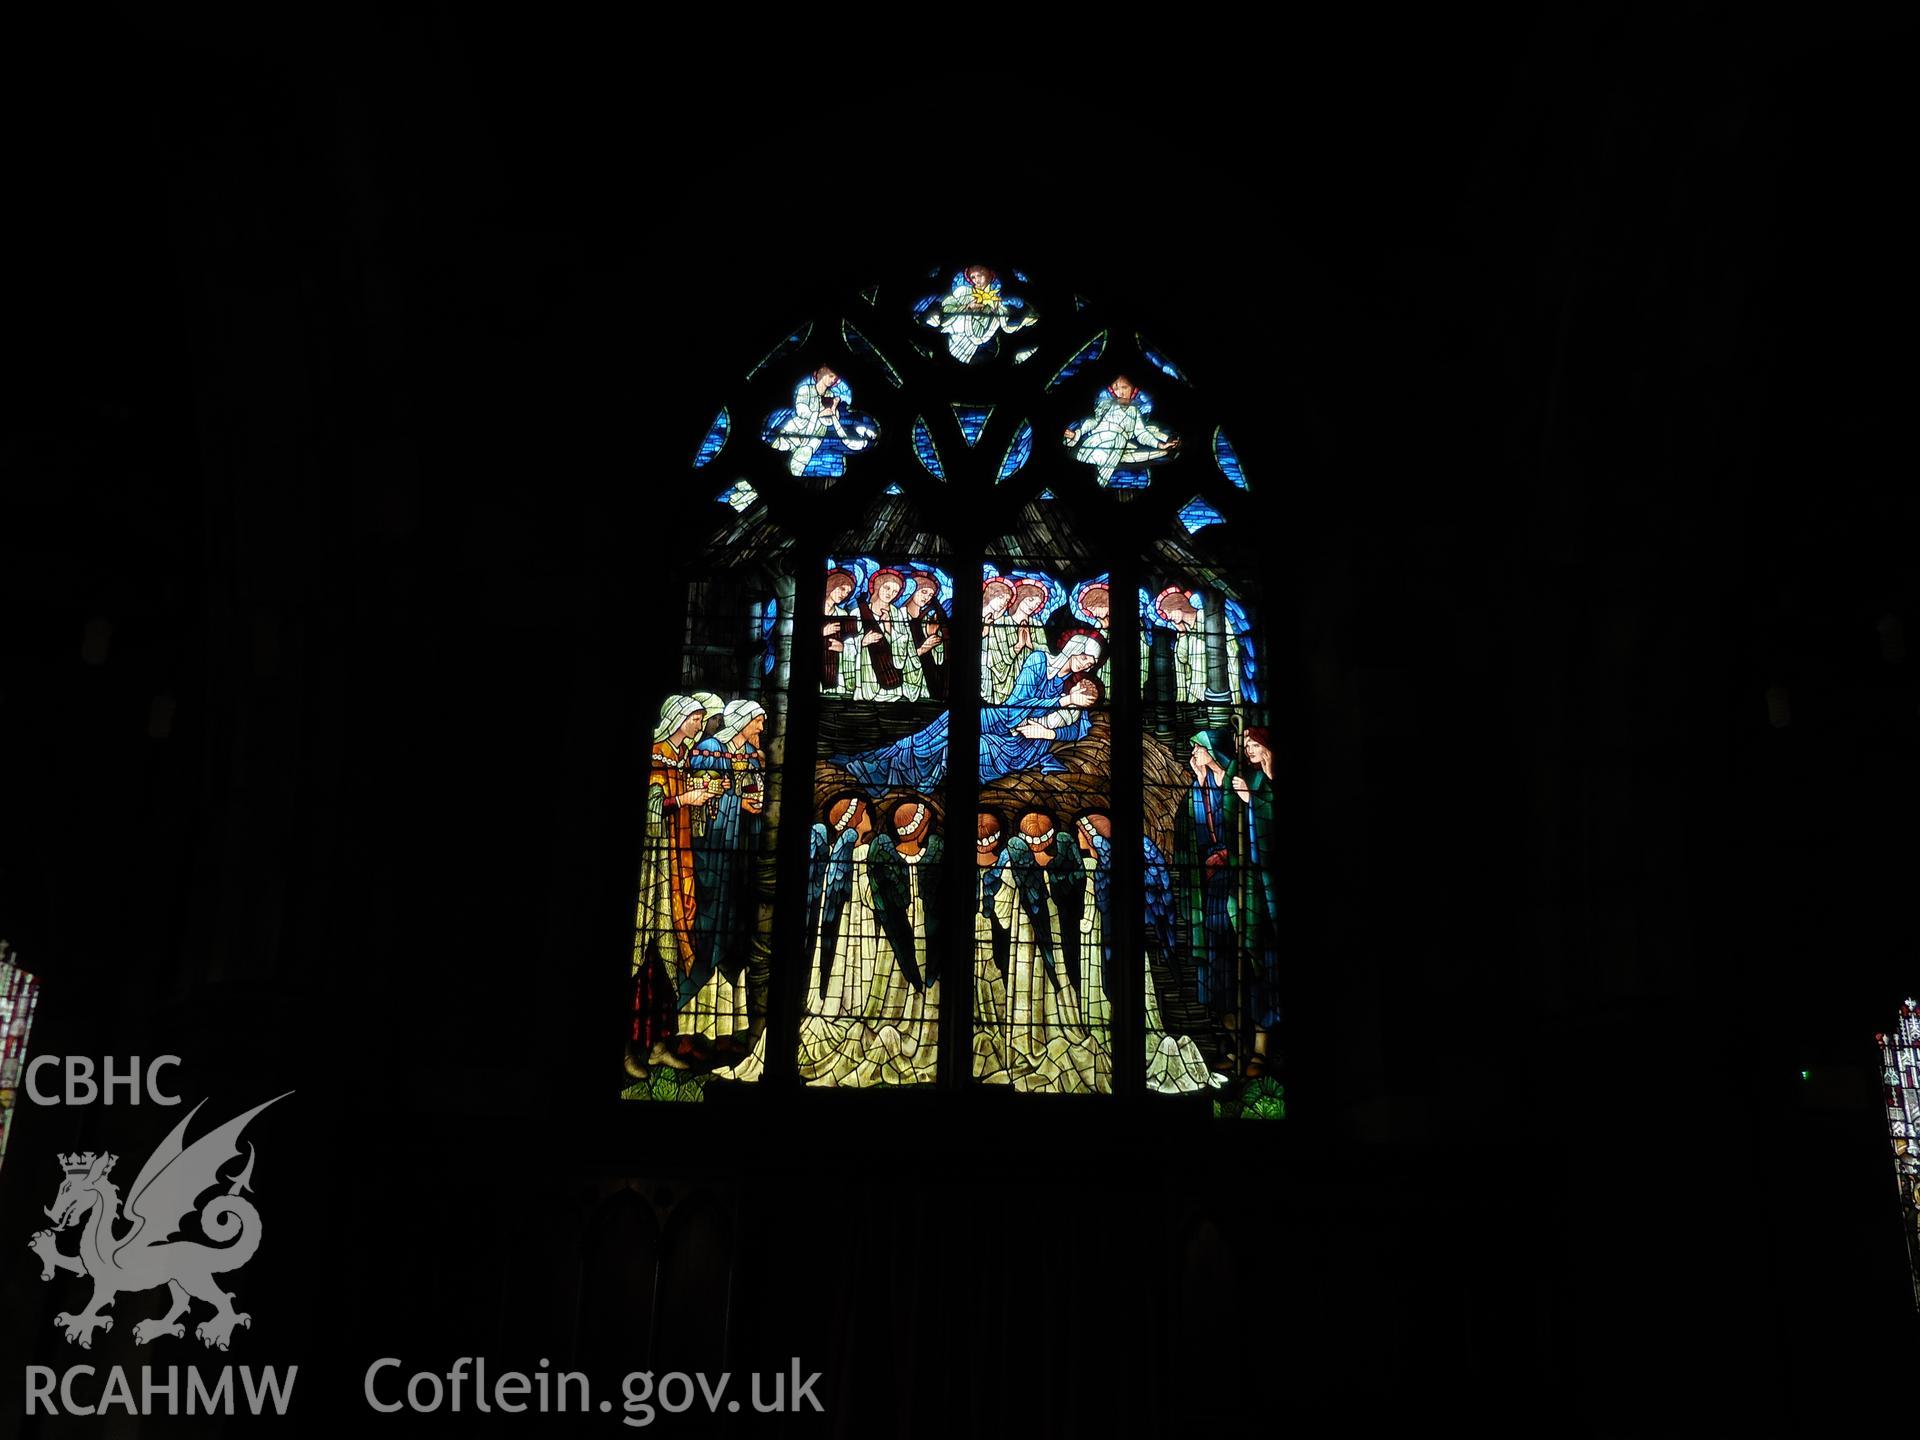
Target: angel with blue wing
1094, 835
816, 430
973, 312
926, 610
829, 884
1041, 894
1178, 612
1011, 611
833, 1036
840, 628
992, 954
1092, 603
1119, 432
903, 995
1240, 639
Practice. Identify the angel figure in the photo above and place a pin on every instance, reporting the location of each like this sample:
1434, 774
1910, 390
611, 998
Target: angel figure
903, 997
1093, 833
1012, 633
1092, 604
1041, 899
839, 630
1177, 609
817, 431
846, 938
993, 1060
885, 665
974, 312
927, 627
1119, 433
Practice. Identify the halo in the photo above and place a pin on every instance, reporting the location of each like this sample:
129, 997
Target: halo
940, 578
1080, 610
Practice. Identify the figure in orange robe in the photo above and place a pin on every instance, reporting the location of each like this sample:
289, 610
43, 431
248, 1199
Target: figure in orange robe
663, 948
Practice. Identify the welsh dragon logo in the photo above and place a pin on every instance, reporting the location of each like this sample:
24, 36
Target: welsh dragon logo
147, 1254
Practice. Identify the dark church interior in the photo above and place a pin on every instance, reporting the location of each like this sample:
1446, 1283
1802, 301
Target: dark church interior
359, 364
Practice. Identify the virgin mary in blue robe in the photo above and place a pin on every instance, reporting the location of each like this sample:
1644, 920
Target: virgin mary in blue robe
919, 761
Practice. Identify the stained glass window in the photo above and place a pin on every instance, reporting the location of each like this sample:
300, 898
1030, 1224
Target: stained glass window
820, 429
923, 447
1197, 514
860, 345
1119, 438
1043, 833
702, 956
1211, 899
1228, 459
18, 990
975, 313
1900, 1055
1096, 892
875, 898
1018, 449
716, 437
972, 419
1160, 361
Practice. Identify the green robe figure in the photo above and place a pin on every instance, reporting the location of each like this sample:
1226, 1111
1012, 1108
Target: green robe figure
1256, 911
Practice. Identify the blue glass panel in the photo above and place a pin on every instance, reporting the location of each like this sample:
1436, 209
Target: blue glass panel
1242, 626
739, 495
1198, 514
860, 345
1160, 360
1017, 452
769, 628
1021, 276
1044, 495
787, 346
973, 419
716, 437
1228, 461
1083, 357
893, 490
923, 447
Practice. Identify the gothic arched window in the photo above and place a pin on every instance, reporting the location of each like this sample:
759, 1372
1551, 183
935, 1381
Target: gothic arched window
963, 514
